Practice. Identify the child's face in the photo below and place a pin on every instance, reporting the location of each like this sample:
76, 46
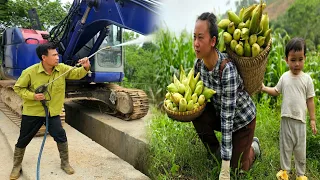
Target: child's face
295, 61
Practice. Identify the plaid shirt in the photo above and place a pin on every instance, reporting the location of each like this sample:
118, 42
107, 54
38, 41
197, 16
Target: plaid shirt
234, 105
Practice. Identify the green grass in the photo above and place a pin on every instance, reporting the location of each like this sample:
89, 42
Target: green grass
176, 152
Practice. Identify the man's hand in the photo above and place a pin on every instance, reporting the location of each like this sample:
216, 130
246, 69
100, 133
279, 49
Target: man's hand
39, 97
225, 170
85, 63
313, 126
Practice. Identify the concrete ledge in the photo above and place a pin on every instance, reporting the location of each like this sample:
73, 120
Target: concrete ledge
126, 139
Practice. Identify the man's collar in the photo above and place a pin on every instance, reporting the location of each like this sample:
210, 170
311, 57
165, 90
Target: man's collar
41, 69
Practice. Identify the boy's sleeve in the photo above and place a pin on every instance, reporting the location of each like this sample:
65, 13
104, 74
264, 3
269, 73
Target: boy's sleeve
310, 88
76, 73
278, 87
22, 86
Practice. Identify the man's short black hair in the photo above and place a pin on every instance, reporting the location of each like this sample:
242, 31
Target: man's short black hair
42, 49
296, 44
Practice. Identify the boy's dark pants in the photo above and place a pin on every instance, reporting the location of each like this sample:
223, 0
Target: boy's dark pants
30, 125
241, 139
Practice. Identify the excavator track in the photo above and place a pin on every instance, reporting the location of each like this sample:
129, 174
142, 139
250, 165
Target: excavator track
134, 99
139, 101
11, 105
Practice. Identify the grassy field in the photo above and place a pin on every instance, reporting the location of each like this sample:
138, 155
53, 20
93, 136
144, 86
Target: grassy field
176, 152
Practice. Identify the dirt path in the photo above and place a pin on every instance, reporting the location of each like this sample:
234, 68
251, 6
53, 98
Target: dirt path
6, 157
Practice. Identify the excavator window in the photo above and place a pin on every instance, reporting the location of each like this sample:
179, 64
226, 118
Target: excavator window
111, 58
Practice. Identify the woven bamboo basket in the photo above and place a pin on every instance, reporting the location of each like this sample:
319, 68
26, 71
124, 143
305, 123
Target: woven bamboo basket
251, 69
185, 116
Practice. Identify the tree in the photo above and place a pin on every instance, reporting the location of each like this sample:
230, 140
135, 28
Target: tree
15, 12
149, 46
302, 19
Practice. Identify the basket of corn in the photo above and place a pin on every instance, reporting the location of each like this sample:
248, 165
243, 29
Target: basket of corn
247, 40
186, 97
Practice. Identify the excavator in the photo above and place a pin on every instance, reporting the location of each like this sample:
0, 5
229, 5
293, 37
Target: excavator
89, 27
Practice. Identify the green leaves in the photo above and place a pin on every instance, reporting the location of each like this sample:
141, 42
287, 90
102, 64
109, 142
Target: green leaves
15, 13
139, 66
302, 19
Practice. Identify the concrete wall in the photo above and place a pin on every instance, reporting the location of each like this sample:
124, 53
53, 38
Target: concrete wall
126, 139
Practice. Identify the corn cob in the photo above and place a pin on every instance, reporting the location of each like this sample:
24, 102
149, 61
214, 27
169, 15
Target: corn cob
234, 18
227, 37
239, 49
253, 39
264, 23
247, 13
241, 43
255, 20
247, 49
264, 5
267, 34
241, 13
182, 74
233, 44
231, 27
237, 34
245, 33
255, 50
261, 40
223, 24
247, 23
241, 25
221, 44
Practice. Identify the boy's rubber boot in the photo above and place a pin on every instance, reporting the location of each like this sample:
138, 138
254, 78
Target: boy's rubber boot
282, 175
17, 160
64, 156
302, 178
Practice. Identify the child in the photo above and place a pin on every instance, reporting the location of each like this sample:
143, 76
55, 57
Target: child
298, 92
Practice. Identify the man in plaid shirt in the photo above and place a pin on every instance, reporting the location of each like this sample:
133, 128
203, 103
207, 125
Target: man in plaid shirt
231, 110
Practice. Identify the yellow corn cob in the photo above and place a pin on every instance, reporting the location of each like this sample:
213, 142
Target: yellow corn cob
247, 13
267, 34
247, 49
237, 34
264, 23
231, 27
264, 5
241, 13
255, 50
234, 18
255, 20
221, 45
227, 37
241, 25
261, 40
233, 44
247, 24
239, 49
223, 24
245, 33
253, 39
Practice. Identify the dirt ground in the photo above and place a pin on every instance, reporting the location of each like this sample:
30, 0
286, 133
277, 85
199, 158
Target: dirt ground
90, 160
